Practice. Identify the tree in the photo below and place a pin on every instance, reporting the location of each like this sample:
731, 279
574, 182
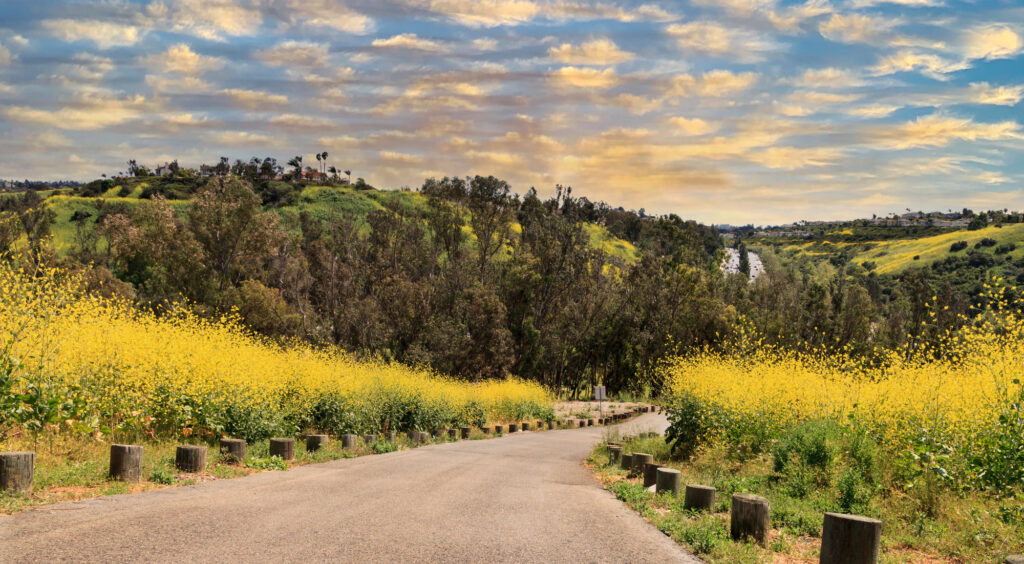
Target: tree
490, 208
296, 163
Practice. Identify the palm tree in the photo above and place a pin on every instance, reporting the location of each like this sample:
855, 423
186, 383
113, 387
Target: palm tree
334, 172
296, 163
319, 163
325, 162
348, 173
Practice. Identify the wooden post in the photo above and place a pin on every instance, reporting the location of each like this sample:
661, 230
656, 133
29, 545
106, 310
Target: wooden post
850, 539
498, 429
283, 447
650, 474
348, 440
551, 425
540, 425
512, 427
414, 436
191, 459
582, 423
436, 433
626, 461
526, 426
570, 423
16, 471
486, 430
315, 442
699, 498
667, 480
233, 450
126, 462
424, 437
749, 517
614, 452
369, 439
639, 459
590, 422
1015, 559
392, 436
451, 434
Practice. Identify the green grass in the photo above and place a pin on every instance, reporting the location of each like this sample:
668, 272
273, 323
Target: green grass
965, 526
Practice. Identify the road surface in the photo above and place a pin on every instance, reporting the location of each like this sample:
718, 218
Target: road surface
521, 498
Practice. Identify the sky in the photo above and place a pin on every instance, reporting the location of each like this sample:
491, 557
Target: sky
724, 111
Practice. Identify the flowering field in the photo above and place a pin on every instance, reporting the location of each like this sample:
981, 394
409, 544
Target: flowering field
959, 411
89, 365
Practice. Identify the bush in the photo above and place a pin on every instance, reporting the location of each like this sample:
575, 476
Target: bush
958, 246
691, 425
1004, 249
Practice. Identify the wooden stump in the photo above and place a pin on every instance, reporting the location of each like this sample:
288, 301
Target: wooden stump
451, 434
16, 471
283, 447
540, 425
315, 442
233, 450
392, 436
551, 425
126, 463
526, 426
626, 461
465, 432
348, 440
668, 480
850, 539
699, 498
614, 452
191, 459
424, 437
436, 433
1014, 559
414, 436
486, 430
570, 423
749, 517
512, 427
582, 423
498, 429
369, 439
639, 459
650, 474
590, 422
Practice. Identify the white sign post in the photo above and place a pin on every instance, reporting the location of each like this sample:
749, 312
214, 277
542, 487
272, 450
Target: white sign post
600, 396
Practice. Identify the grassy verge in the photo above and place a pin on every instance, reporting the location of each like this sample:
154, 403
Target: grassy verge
959, 528
72, 469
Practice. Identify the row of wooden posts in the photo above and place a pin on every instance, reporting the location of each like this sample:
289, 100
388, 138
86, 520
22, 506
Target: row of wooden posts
17, 468
845, 539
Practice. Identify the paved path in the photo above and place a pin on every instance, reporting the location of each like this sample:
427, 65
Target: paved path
521, 498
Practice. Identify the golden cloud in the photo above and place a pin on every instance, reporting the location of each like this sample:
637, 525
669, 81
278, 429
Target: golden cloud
693, 126
600, 52
295, 54
993, 42
104, 34
183, 60
254, 99
714, 38
938, 130
409, 41
90, 110
715, 83
580, 77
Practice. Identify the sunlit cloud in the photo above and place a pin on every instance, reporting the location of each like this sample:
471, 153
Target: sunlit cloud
182, 59
88, 111
693, 126
409, 41
993, 42
985, 93
937, 130
104, 34
254, 99
580, 77
295, 54
717, 39
599, 52
712, 84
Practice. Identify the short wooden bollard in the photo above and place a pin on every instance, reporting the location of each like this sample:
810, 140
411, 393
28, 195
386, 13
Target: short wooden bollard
512, 427
650, 474
749, 517
526, 426
283, 447
126, 463
451, 434
668, 480
233, 450
570, 423
437, 433
348, 440
414, 436
590, 422
392, 436
614, 452
486, 430
424, 437
190, 459
551, 425
850, 539
582, 423
315, 442
626, 461
540, 425
498, 429
369, 439
465, 432
639, 459
699, 498
16, 471
1014, 559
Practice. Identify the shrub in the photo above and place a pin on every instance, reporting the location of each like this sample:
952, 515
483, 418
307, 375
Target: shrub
986, 242
958, 246
1004, 249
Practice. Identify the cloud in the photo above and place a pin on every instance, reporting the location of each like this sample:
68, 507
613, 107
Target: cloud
5, 56
873, 110
409, 41
392, 157
300, 122
715, 83
580, 77
493, 13
693, 126
791, 158
304, 54
985, 93
600, 52
711, 37
487, 13
330, 14
183, 60
104, 34
84, 68
254, 99
938, 130
88, 111
238, 139
928, 64
829, 77
911, 3
485, 44
993, 42
855, 28
208, 19
177, 84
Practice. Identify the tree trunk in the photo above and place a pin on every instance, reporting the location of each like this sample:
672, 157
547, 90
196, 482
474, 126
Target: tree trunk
283, 447
16, 471
190, 459
233, 450
126, 462
650, 474
315, 442
668, 480
639, 459
348, 440
699, 498
749, 517
850, 539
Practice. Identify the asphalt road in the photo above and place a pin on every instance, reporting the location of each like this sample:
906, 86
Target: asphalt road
521, 498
